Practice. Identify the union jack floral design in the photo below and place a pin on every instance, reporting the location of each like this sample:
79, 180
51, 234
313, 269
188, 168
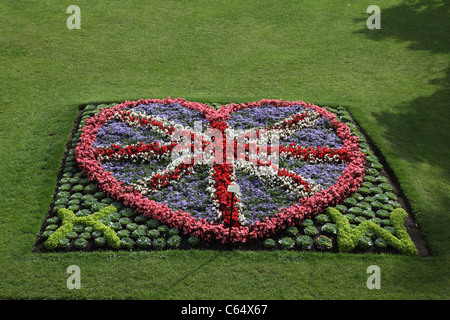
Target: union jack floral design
173, 160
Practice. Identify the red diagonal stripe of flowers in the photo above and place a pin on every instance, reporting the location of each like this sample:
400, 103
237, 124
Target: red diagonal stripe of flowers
116, 151
310, 153
162, 180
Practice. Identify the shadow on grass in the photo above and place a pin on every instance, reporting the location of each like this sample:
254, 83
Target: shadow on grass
420, 131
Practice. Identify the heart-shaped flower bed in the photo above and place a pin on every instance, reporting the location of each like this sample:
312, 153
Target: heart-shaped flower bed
174, 161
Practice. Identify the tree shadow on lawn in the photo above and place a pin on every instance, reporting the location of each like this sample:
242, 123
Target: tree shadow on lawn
419, 132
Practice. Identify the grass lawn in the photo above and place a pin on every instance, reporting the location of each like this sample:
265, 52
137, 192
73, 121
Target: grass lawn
395, 82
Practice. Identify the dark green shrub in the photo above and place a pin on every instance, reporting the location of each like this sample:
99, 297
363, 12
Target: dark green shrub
376, 205
359, 219
364, 242
174, 241
367, 184
65, 187
77, 188
153, 223
329, 228
107, 200
100, 241
390, 229
385, 186
77, 195
324, 243
382, 198
286, 243
163, 229
368, 214
364, 206
355, 211
63, 194
47, 233
350, 217
85, 235
383, 214
119, 205
80, 243
63, 243
376, 220
310, 231
52, 227
269, 243
380, 243
116, 225
123, 233
342, 209
304, 242
193, 241
99, 195
138, 234
140, 219
143, 242
127, 243
153, 233
124, 221
97, 206
78, 228
174, 231
62, 201
74, 207
90, 188
83, 213
351, 202
307, 222
391, 195
97, 234
114, 216
291, 231
132, 226
159, 243
322, 218
72, 235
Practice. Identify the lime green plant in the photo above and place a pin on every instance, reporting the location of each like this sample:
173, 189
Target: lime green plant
349, 238
69, 220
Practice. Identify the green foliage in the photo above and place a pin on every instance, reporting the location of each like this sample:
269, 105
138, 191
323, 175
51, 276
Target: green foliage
348, 238
69, 220
269, 243
80, 243
304, 242
153, 233
143, 242
193, 241
291, 231
324, 243
322, 218
329, 228
153, 223
159, 243
174, 241
286, 243
127, 243
310, 231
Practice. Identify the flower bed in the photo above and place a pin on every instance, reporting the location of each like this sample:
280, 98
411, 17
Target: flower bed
290, 160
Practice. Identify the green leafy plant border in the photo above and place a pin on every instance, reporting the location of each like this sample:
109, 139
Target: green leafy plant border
349, 238
69, 220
